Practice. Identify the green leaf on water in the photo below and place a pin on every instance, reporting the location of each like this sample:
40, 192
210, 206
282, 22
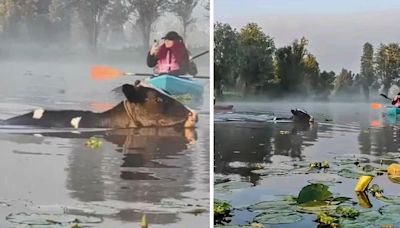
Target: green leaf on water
313, 192
278, 218
326, 219
272, 206
348, 212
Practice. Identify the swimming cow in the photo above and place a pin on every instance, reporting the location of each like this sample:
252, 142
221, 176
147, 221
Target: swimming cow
145, 106
301, 116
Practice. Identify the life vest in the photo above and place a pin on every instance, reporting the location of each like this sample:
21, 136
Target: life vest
167, 64
171, 59
396, 102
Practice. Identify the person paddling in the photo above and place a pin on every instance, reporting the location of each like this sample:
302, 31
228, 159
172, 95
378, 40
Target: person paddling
171, 56
396, 101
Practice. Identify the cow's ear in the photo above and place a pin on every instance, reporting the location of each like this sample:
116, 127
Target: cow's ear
292, 112
137, 82
131, 93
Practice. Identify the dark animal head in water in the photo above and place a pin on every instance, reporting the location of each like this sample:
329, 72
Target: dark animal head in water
301, 116
153, 107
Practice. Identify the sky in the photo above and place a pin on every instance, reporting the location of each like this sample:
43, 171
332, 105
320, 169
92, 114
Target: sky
336, 29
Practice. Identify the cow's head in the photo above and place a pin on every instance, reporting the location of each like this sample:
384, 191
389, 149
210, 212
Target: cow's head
301, 116
152, 107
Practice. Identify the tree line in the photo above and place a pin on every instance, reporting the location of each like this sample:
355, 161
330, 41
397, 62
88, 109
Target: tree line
249, 62
55, 20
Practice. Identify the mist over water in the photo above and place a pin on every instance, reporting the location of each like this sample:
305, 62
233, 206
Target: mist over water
268, 155
162, 173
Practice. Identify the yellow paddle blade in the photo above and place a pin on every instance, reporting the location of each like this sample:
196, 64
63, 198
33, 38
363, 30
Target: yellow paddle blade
104, 72
375, 106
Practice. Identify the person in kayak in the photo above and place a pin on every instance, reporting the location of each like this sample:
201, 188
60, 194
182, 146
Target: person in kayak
396, 101
171, 57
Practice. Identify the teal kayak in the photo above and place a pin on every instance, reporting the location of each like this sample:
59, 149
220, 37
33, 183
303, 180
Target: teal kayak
392, 111
176, 85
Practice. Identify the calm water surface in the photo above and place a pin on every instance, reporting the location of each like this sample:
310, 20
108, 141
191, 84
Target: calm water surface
247, 140
50, 174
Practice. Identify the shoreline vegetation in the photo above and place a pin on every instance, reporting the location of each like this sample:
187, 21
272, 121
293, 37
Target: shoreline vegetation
247, 64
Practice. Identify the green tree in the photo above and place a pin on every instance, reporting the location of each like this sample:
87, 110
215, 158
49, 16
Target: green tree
367, 68
256, 58
343, 82
326, 84
147, 12
183, 9
60, 15
387, 61
290, 66
311, 73
115, 17
226, 53
16, 12
90, 12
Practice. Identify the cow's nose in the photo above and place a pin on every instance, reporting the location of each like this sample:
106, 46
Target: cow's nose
191, 119
193, 114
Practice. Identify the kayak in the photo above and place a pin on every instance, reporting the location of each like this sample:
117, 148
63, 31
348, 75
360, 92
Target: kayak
177, 85
392, 111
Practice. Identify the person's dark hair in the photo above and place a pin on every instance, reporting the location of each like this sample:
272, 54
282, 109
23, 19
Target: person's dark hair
172, 35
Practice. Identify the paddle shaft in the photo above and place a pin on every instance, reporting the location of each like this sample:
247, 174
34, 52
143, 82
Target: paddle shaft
201, 54
383, 95
147, 74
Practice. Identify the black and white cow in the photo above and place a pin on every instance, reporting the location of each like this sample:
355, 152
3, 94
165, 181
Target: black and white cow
145, 106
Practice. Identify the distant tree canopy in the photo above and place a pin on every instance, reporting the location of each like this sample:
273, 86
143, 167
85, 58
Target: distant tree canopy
249, 60
183, 9
226, 47
255, 60
51, 20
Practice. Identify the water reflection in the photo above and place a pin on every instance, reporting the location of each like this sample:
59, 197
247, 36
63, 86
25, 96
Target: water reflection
240, 146
139, 166
253, 143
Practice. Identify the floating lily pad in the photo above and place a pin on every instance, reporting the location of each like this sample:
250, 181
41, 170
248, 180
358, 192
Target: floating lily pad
371, 219
391, 199
390, 209
84, 209
272, 206
350, 159
232, 185
270, 171
278, 218
313, 192
50, 219
315, 207
329, 182
354, 172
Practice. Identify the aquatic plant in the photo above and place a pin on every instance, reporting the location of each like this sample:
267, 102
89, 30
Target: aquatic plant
313, 192
348, 212
327, 220
93, 143
319, 165
222, 211
376, 191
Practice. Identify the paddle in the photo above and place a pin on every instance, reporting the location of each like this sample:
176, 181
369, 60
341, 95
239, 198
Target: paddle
383, 95
377, 105
104, 72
